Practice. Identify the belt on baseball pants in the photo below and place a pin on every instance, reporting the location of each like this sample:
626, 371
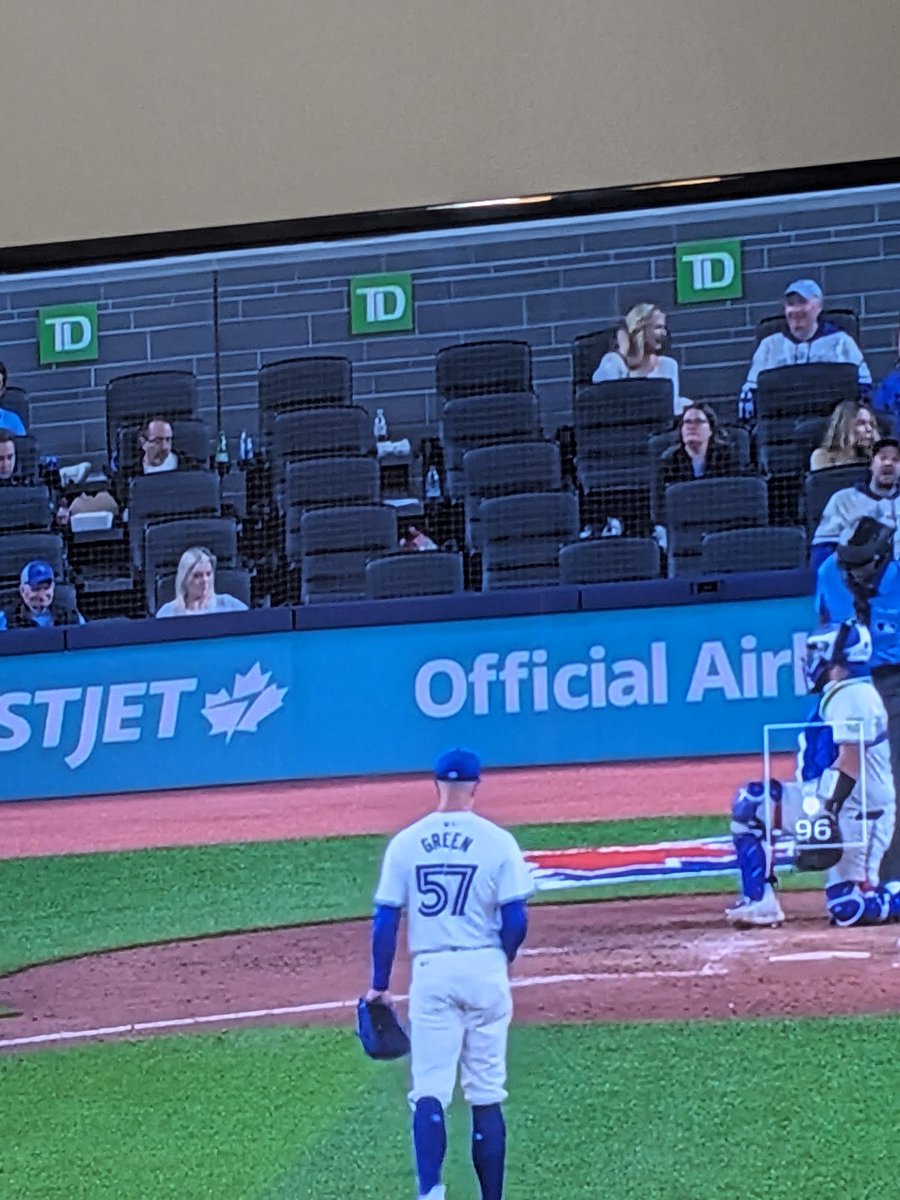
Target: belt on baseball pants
455, 949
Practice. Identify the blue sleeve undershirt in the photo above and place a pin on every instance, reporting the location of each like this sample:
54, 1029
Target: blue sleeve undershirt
385, 925
513, 927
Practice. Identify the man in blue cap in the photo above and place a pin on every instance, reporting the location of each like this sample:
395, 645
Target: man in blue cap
463, 882
807, 339
38, 605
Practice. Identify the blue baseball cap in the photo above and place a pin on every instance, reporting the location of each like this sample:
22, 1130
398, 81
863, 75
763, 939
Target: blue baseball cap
807, 288
36, 572
461, 765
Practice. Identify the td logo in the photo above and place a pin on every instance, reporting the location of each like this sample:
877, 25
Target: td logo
67, 333
381, 303
708, 271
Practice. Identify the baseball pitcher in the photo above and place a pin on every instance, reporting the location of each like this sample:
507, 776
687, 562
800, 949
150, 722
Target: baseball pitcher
840, 807
463, 883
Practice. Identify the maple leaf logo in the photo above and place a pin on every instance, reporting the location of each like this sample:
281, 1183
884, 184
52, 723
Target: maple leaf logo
250, 701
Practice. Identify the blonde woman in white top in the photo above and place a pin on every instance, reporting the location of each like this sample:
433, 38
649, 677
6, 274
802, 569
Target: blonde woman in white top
195, 588
637, 354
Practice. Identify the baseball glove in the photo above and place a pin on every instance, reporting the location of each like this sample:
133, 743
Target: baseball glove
381, 1034
822, 848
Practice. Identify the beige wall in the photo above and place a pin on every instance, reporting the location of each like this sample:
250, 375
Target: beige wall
126, 116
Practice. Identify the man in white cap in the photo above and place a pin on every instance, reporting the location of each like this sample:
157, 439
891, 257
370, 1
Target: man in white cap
808, 339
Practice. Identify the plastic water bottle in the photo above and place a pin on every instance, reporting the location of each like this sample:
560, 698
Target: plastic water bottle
223, 462
432, 483
242, 453
379, 426
249, 447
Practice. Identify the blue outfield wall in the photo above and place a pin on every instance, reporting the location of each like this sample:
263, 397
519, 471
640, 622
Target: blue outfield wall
575, 687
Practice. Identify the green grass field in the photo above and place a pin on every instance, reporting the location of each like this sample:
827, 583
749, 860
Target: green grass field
705, 1111
708, 1111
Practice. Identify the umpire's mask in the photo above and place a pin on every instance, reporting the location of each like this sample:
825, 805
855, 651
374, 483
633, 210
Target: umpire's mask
864, 557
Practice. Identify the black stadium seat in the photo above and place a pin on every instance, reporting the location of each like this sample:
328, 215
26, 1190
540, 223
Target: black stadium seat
609, 560
316, 432
767, 549
703, 506
482, 368
296, 383
320, 482
163, 497
476, 421
131, 399
18, 549
506, 470
613, 423
522, 536
414, 573
335, 544
25, 507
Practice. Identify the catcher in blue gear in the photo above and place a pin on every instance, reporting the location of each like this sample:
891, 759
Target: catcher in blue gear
839, 808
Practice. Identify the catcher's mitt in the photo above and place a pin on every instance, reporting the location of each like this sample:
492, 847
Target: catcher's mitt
819, 844
380, 1032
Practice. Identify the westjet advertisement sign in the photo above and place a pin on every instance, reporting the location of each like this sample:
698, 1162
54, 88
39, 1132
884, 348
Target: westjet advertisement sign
524, 691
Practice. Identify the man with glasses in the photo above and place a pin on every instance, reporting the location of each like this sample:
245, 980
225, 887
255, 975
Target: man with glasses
156, 445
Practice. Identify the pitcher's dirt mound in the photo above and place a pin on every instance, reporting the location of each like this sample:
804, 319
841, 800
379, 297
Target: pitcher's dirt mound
662, 959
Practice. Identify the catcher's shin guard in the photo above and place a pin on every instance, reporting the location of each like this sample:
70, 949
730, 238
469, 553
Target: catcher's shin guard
849, 904
751, 841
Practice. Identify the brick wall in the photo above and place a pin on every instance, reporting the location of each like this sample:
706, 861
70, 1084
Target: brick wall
542, 283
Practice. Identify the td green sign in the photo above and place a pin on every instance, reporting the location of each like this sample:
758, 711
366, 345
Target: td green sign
67, 333
381, 303
708, 271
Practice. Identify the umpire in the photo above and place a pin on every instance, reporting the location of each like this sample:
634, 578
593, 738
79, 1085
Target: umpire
862, 578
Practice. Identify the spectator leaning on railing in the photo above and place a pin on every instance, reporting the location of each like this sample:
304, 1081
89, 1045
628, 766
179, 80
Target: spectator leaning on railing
878, 497
637, 354
809, 339
849, 438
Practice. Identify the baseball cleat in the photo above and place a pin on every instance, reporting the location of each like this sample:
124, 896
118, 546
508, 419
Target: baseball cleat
756, 913
436, 1193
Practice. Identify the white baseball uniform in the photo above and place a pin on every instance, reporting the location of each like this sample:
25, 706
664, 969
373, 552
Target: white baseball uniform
855, 711
452, 872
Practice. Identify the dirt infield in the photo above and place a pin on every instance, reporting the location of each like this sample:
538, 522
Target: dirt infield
668, 958
603, 792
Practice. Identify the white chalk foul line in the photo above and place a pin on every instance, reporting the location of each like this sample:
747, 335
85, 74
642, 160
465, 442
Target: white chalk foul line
536, 951
258, 1014
818, 955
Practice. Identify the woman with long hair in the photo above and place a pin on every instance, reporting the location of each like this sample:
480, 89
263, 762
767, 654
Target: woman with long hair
195, 588
849, 438
701, 452
637, 353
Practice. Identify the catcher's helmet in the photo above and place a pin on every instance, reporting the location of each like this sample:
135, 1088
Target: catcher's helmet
864, 556
848, 644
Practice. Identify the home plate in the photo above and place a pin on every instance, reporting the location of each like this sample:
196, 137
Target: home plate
818, 955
